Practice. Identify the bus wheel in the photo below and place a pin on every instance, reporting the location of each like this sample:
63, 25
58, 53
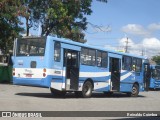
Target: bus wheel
87, 89
135, 91
57, 93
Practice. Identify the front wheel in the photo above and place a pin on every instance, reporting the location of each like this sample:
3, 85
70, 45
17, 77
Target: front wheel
87, 89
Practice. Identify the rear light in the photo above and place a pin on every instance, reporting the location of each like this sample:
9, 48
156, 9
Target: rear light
13, 71
13, 74
44, 72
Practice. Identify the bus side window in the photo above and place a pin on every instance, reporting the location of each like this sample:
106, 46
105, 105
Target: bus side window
137, 64
102, 59
57, 51
84, 56
91, 60
99, 58
127, 63
88, 56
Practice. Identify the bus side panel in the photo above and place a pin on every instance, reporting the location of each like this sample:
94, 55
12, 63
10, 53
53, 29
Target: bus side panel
128, 78
99, 76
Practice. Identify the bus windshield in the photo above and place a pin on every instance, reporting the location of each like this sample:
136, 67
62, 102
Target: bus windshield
156, 74
31, 46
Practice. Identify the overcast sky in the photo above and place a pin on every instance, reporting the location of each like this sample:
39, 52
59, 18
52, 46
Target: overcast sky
139, 20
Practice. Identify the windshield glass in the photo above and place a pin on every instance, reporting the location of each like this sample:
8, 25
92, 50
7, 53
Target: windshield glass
156, 74
31, 46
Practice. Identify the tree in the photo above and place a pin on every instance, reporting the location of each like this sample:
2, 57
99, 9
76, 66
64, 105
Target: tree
61, 18
9, 22
64, 18
156, 59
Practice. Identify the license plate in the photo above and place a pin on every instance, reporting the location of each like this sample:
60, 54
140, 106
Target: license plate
28, 75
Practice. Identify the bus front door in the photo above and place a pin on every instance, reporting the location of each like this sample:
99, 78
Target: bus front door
71, 62
115, 73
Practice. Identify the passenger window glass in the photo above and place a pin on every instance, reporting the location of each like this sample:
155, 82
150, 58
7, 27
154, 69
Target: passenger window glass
127, 63
88, 56
137, 64
57, 51
102, 59
91, 60
84, 56
99, 58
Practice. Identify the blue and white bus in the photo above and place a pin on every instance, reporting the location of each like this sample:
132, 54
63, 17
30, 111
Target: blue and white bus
155, 77
66, 66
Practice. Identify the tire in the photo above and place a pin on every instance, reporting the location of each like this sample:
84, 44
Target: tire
87, 89
57, 93
135, 91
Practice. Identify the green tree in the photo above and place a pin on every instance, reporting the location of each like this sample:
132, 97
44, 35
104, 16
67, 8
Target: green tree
64, 18
156, 59
10, 10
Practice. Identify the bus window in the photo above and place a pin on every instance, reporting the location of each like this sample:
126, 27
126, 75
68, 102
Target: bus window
88, 56
137, 63
31, 46
101, 59
91, 56
57, 51
104, 59
127, 63
84, 56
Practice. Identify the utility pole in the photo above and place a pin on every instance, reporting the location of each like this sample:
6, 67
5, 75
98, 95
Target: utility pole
126, 47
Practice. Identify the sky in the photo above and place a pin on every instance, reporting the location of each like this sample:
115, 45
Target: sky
137, 20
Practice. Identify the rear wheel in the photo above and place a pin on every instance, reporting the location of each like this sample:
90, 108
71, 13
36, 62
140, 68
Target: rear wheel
135, 91
57, 93
87, 89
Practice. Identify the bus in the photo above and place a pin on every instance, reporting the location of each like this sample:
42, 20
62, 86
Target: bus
67, 66
155, 77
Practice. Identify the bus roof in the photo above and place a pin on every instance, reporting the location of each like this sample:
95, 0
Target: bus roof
64, 40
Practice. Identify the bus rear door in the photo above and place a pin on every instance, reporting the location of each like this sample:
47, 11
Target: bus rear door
71, 64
